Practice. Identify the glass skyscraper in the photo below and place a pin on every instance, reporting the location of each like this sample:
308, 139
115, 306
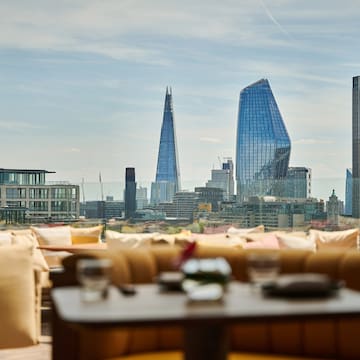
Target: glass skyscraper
262, 145
356, 147
348, 193
167, 181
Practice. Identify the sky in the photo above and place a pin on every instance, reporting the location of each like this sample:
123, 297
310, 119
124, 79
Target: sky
82, 83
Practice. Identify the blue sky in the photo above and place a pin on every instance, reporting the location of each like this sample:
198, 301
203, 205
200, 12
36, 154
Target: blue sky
83, 82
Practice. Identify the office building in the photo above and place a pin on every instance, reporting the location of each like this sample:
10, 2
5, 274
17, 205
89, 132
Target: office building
348, 193
223, 179
210, 195
141, 198
334, 208
130, 193
262, 144
25, 195
167, 181
356, 147
298, 182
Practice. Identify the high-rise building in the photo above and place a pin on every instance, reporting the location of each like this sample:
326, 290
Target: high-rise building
348, 193
298, 182
223, 179
167, 181
262, 145
356, 147
334, 207
130, 193
141, 198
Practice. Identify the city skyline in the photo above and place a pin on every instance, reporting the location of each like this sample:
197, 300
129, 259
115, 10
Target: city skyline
83, 82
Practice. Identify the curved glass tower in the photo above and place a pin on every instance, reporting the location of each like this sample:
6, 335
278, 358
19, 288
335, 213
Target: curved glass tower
167, 181
262, 144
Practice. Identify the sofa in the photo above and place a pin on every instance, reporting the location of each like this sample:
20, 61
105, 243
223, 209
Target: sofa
20, 296
308, 339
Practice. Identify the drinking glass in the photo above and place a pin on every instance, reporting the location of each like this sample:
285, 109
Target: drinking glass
262, 268
94, 276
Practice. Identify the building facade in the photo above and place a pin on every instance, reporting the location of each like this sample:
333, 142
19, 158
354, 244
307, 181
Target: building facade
262, 144
27, 191
298, 182
348, 193
223, 179
334, 208
130, 193
356, 147
167, 181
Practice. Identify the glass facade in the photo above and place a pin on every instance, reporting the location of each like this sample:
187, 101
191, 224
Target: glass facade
348, 193
262, 145
356, 147
167, 165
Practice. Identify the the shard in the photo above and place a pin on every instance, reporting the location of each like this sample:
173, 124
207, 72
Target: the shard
167, 181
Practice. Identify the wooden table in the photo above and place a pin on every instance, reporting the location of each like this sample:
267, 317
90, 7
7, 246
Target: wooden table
205, 324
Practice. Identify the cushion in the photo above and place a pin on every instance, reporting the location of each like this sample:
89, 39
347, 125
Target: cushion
326, 240
291, 241
219, 240
268, 241
56, 235
5, 238
238, 231
17, 300
116, 240
29, 239
86, 235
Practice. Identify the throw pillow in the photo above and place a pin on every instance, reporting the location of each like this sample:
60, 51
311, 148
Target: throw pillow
291, 241
241, 231
5, 238
325, 240
268, 241
29, 239
17, 300
57, 235
86, 235
116, 240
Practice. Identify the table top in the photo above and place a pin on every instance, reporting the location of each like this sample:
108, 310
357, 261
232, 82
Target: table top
151, 306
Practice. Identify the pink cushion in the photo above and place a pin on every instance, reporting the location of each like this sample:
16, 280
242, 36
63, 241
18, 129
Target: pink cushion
267, 242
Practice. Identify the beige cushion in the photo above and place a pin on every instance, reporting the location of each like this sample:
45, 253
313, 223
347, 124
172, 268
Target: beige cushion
5, 238
239, 231
219, 240
86, 235
116, 240
29, 239
56, 235
292, 241
326, 240
17, 300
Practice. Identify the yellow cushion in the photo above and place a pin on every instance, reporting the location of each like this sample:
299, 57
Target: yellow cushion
86, 235
116, 240
29, 239
17, 300
326, 240
293, 241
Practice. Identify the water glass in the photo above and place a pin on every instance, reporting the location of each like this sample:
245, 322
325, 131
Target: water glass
94, 276
262, 267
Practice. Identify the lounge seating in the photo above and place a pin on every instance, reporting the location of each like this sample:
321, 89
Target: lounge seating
329, 339
20, 297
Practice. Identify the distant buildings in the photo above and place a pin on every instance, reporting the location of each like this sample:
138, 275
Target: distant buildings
130, 193
223, 179
356, 147
334, 207
167, 181
262, 144
141, 198
25, 196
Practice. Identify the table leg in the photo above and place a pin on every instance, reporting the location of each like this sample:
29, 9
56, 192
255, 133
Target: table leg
206, 342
